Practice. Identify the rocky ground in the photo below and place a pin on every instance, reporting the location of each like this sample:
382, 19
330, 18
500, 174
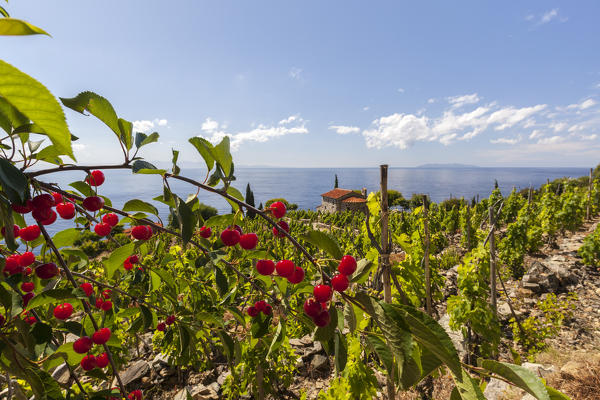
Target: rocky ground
571, 363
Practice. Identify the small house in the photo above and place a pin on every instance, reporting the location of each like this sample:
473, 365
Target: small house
337, 200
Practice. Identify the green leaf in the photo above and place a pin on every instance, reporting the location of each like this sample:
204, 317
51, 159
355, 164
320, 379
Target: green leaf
66, 238
10, 116
228, 345
44, 387
64, 353
350, 317
147, 316
49, 297
144, 167
16, 27
139, 205
42, 333
222, 155
204, 147
260, 325
220, 221
4, 12
556, 395
117, 258
383, 352
187, 220
519, 376
125, 129
142, 139
236, 194
325, 242
14, 180
325, 333
363, 268
96, 105
341, 351
83, 188
467, 387
34, 101
221, 281
277, 338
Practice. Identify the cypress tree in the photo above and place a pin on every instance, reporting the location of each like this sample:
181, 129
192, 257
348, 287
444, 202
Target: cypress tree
250, 200
335, 185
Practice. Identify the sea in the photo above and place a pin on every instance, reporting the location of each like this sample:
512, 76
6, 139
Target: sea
304, 186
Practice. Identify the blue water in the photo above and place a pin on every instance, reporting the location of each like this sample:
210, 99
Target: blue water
304, 186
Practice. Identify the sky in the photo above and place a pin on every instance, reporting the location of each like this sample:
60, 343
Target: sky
328, 83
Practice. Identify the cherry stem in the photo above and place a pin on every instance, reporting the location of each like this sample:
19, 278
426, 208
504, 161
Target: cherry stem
86, 306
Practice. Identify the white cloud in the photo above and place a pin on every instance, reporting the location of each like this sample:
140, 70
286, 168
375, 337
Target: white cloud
509, 116
366, 108
549, 16
529, 17
545, 17
584, 105
431, 100
261, 133
536, 134
146, 125
344, 130
400, 90
289, 119
506, 140
295, 73
397, 130
552, 140
459, 101
558, 126
588, 137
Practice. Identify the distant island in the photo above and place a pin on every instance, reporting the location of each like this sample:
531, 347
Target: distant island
448, 166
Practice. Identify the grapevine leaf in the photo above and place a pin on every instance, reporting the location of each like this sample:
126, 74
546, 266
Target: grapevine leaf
17, 27
519, 376
325, 242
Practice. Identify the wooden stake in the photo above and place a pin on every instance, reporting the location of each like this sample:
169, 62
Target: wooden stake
428, 306
492, 262
468, 224
385, 250
589, 199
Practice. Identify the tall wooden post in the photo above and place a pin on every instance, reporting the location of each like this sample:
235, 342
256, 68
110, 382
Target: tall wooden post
384, 258
492, 262
428, 306
589, 199
468, 224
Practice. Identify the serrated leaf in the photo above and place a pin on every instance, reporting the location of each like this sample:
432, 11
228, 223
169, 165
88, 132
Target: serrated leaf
117, 258
17, 27
83, 188
467, 387
204, 147
139, 205
363, 268
36, 102
519, 376
222, 155
325, 242
96, 105
383, 352
350, 317
125, 130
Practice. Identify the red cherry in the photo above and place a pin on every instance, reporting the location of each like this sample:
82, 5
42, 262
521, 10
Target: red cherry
297, 276
148, 232
139, 232
26, 298
230, 237
237, 228
46, 271
260, 305
322, 293
22, 209
170, 320
88, 362
278, 209
107, 305
41, 214
347, 265
57, 197
133, 259
102, 360
63, 311
268, 310
127, 265
111, 219
248, 241
106, 293
87, 288
322, 319
44, 200
340, 282
26, 259
28, 271
99, 302
65, 210
161, 326
252, 311
312, 307
135, 395
285, 268
284, 225
205, 232
30, 233
12, 262
51, 219
95, 178
102, 229
16, 230
101, 336
83, 344
265, 267
93, 203
27, 287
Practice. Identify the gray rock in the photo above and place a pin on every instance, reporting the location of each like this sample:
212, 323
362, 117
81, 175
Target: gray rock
201, 392
573, 368
320, 362
61, 374
495, 389
456, 336
539, 369
222, 377
134, 372
215, 387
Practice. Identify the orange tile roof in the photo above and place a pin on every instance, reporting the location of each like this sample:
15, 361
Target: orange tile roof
354, 200
336, 193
